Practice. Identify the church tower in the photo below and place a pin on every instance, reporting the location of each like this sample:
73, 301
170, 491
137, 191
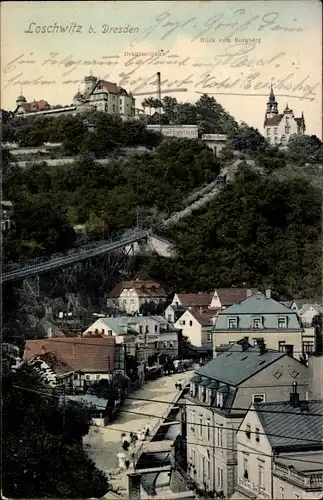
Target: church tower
272, 105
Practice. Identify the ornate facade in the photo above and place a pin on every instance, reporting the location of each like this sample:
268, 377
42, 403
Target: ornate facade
278, 127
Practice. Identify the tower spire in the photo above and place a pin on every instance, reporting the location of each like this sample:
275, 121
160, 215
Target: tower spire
272, 106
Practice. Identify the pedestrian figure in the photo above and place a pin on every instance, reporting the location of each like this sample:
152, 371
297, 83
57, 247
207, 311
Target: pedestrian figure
179, 385
176, 386
127, 463
147, 431
134, 439
125, 442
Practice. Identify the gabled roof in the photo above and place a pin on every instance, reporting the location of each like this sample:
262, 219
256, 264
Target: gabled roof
287, 303
145, 288
110, 87
195, 299
275, 120
305, 307
202, 319
296, 427
88, 400
237, 365
229, 296
82, 354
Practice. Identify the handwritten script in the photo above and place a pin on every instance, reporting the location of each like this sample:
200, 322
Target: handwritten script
138, 72
241, 21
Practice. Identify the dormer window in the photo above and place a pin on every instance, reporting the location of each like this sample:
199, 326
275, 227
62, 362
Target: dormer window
219, 399
208, 396
256, 323
282, 322
232, 323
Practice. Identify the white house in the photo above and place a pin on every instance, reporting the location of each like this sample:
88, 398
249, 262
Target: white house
130, 296
220, 394
197, 327
262, 318
279, 127
308, 311
279, 450
142, 336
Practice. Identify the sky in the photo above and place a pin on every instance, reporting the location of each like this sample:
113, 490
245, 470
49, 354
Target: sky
231, 50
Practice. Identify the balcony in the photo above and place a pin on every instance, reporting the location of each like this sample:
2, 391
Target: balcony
310, 481
255, 488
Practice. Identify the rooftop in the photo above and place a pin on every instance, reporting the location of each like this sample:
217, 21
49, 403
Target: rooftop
195, 299
229, 296
237, 365
203, 319
145, 288
254, 306
284, 424
81, 354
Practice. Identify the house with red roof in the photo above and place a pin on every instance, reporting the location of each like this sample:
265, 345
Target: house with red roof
72, 361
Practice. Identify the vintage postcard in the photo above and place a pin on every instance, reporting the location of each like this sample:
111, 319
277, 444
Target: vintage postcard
161, 226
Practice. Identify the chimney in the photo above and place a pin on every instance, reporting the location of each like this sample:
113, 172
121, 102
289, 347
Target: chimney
43, 350
289, 348
262, 346
294, 396
268, 294
249, 293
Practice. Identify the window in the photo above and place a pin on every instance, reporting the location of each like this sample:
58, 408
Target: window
202, 462
75, 376
248, 431
220, 436
97, 377
219, 399
282, 323
192, 421
257, 435
268, 131
171, 344
208, 431
140, 329
287, 129
261, 476
113, 108
208, 469
165, 344
147, 329
232, 323
276, 130
120, 102
191, 323
220, 478
209, 337
276, 140
88, 377
281, 346
245, 468
281, 491
256, 323
183, 322
306, 395
308, 345
156, 328
258, 398
201, 427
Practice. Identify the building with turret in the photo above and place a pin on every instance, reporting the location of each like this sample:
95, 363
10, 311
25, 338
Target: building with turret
278, 127
98, 95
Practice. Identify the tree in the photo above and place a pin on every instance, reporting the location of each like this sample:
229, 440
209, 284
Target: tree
305, 149
43, 457
169, 106
248, 139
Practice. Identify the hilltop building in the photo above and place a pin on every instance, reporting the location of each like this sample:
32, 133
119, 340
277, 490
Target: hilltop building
278, 127
98, 95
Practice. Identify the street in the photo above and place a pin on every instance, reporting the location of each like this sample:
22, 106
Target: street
103, 443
